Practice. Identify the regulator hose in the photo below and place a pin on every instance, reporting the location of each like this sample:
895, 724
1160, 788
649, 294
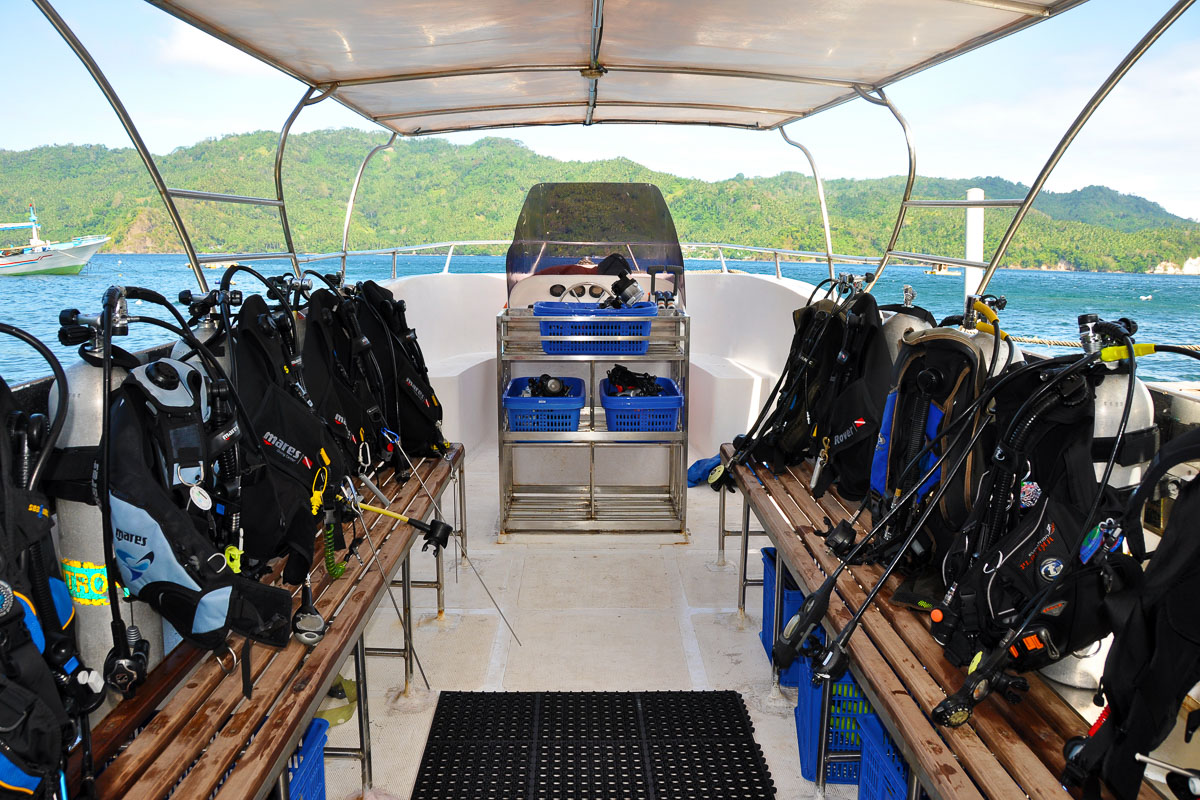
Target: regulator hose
1005, 472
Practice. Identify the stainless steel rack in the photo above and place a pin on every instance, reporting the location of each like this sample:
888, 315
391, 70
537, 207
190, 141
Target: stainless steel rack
592, 506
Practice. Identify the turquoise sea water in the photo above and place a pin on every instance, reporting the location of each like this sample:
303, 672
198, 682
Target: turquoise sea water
1039, 303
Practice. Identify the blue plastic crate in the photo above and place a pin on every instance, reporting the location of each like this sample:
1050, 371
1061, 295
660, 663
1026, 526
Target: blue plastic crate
846, 707
306, 767
659, 413
884, 775
793, 597
543, 413
602, 323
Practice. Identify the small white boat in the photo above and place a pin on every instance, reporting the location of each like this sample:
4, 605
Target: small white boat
942, 269
47, 258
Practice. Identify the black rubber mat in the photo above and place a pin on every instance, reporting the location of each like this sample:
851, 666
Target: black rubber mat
592, 746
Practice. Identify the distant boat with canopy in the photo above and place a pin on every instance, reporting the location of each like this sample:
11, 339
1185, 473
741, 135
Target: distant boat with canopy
46, 258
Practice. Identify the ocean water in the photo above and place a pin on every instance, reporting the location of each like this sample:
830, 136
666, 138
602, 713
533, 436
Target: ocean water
1042, 304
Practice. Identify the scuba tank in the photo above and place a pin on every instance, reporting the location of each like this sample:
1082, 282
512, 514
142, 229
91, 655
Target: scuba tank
1140, 439
79, 527
905, 318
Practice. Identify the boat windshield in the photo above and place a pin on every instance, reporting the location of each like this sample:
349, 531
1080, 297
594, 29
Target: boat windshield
569, 228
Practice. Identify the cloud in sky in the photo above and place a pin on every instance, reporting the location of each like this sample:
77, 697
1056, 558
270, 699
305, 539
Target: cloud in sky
186, 46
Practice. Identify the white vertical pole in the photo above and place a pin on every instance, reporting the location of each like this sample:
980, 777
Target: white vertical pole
973, 275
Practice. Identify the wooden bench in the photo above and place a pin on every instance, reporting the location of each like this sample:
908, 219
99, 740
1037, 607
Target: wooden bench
1008, 751
189, 730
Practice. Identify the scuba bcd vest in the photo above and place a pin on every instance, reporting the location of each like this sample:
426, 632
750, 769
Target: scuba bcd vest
162, 499
830, 397
40, 690
1155, 656
284, 503
342, 378
410, 405
937, 378
1028, 528
849, 408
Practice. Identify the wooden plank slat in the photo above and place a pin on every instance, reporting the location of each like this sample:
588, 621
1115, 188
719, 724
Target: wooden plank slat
156, 759
907, 663
235, 735
271, 743
944, 772
998, 740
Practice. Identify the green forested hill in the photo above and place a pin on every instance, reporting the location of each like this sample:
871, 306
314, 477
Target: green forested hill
429, 190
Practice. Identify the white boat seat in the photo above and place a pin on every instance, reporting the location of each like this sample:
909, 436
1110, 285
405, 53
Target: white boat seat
725, 397
466, 385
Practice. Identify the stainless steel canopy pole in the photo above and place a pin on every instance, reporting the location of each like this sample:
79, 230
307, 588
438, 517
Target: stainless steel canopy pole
882, 100
1160, 27
110, 94
820, 198
354, 196
594, 71
307, 99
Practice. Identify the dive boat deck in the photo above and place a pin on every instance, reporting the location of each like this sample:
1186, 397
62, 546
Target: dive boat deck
594, 612
613, 612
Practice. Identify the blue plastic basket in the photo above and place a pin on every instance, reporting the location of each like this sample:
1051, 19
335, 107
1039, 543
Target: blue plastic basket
543, 413
884, 775
793, 597
659, 413
306, 767
847, 705
601, 324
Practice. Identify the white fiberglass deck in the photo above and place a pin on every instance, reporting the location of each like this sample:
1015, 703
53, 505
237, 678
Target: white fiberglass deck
594, 612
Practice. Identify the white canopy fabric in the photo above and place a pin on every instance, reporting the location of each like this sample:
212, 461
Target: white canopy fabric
432, 66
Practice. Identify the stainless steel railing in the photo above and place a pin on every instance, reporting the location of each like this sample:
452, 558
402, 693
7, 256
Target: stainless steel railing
781, 255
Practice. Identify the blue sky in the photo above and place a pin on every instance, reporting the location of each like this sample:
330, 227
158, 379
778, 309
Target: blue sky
998, 111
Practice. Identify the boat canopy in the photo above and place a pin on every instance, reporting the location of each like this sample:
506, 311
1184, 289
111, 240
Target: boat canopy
434, 66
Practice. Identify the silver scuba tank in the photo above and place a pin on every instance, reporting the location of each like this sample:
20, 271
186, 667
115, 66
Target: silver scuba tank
1110, 406
1083, 669
205, 329
895, 328
1008, 355
79, 532
899, 324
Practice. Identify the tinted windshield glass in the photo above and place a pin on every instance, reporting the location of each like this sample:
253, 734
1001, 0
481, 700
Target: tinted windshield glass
569, 228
